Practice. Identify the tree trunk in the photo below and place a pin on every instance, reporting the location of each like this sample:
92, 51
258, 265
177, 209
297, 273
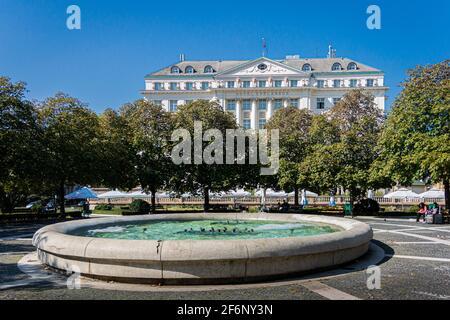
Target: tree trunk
352, 201
153, 201
447, 194
6, 205
61, 194
296, 196
206, 195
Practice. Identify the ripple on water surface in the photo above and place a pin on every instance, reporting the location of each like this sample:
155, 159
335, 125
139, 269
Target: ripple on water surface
207, 230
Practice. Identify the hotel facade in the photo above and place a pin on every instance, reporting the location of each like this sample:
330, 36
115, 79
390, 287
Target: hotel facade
254, 89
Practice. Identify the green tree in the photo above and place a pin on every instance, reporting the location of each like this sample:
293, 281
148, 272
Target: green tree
149, 128
345, 140
19, 145
294, 132
416, 141
116, 152
205, 177
71, 139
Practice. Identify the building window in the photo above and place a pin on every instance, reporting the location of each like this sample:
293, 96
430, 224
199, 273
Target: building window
189, 85
293, 103
175, 69
231, 105
173, 86
157, 102
262, 104
189, 69
294, 83
336, 83
173, 104
230, 84
320, 83
336, 100
246, 123
158, 86
246, 105
245, 84
320, 103
261, 123
205, 85
370, 82
352, 66
277, 83
353, 83
187, 101
208, 69
336, 67
277, 104
306, 67
262, 83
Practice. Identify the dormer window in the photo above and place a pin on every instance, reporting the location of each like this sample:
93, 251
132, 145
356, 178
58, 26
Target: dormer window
175, 69
306, 67
336, 66
209, 69
189, 69
352, 66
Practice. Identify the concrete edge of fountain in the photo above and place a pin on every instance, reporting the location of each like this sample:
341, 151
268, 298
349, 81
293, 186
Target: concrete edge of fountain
200, 261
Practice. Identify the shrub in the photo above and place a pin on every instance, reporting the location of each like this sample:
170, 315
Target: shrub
366, 207
140, 206
106, 207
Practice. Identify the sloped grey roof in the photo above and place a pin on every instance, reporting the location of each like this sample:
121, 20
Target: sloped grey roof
317, 64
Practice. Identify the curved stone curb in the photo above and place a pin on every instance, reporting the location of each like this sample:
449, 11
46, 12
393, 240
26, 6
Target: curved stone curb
200, 261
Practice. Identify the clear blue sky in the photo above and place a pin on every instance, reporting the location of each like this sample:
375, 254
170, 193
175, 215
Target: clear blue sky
105, 62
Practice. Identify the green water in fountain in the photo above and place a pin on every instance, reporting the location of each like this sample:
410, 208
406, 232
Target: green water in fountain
208, 230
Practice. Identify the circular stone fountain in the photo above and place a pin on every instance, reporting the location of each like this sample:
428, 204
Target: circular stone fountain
201, 248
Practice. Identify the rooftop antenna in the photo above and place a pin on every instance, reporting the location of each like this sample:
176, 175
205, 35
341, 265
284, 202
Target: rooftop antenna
331, 52
182, 57
264, 47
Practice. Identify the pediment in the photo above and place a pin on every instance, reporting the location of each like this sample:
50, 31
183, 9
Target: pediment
261, 66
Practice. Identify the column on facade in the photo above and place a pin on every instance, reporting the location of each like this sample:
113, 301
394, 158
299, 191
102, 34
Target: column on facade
254, 116
285, 103
222, 104
269, 109
238, 112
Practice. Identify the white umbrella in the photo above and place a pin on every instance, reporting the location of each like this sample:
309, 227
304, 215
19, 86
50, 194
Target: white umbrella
309, 194
402, 193
433, 194
139, 194
271, 193
238, 193
113, 194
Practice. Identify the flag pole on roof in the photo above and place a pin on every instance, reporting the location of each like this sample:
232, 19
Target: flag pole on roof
264, 47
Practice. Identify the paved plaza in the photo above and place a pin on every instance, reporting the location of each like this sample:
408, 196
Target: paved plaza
413, 260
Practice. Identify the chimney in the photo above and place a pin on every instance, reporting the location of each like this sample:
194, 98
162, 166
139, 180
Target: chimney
182, 58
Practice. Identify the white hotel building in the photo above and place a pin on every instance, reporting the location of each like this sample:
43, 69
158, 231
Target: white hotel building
254, 89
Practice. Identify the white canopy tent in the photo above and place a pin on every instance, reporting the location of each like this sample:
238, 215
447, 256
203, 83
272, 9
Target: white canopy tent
433, 194
402, 193
114, 194
271, 193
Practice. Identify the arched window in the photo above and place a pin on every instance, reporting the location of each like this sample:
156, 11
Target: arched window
189, 69
175, 69
336, 66
209, 69
306, 67
352, 66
